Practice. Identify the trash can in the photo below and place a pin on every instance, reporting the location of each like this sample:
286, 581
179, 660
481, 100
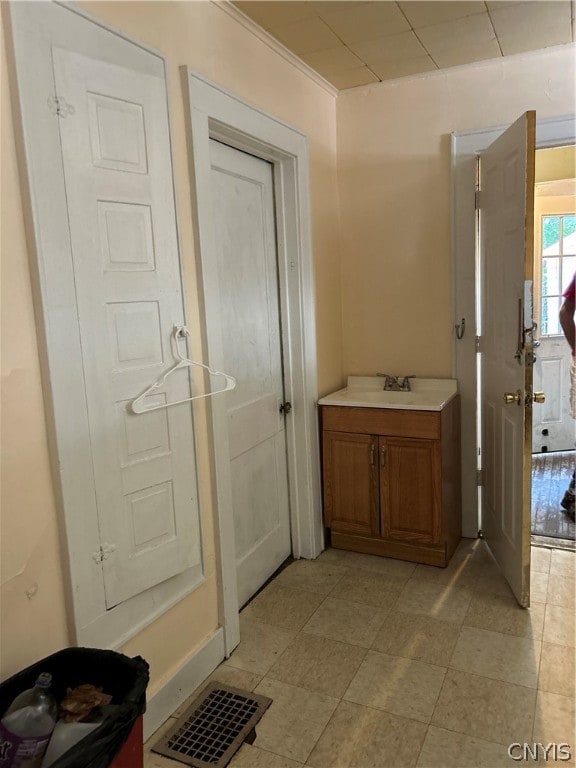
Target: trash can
117, 741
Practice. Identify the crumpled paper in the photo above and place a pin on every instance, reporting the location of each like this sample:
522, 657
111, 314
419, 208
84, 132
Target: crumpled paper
80, 703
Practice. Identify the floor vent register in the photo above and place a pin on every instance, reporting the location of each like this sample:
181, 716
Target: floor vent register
214, 727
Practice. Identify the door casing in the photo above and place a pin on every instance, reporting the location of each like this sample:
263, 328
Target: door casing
466, 146
217, 114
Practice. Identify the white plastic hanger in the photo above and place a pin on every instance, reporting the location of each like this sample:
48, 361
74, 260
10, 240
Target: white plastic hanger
179, 332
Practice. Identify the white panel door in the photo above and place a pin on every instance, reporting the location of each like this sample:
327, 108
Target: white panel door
553, 427
117, 166
506, 212
245, 243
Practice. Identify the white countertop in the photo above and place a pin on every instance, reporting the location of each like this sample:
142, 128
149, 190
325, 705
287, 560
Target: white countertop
368, 392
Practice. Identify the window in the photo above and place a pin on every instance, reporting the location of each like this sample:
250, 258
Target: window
558, 266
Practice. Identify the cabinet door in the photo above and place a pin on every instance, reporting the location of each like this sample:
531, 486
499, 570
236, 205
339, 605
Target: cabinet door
351, 483
410, 488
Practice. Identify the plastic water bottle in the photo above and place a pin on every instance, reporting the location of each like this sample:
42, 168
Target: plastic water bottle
27, 725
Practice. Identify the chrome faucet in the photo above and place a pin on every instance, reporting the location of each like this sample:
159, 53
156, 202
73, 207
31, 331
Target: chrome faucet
396, 383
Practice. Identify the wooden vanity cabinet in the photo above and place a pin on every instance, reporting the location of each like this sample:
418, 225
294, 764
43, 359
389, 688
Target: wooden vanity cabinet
392, 481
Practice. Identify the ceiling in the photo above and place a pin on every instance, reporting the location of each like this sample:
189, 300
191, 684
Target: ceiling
356, 43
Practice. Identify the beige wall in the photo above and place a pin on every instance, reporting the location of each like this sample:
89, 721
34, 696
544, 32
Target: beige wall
556, 163
394, 181
33, 581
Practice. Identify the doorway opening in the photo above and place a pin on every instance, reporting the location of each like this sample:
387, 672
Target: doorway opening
553, 429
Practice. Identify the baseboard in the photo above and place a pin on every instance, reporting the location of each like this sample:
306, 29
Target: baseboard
185, 681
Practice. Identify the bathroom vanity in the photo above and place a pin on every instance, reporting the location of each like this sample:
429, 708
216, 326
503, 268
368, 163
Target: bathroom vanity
391, 469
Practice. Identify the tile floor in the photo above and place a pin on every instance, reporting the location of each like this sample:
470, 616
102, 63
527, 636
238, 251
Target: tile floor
379, 663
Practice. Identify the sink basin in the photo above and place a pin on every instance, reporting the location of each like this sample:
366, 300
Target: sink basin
367, 392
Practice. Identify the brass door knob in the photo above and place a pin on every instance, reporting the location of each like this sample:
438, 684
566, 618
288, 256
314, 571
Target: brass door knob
513, 397
539, 397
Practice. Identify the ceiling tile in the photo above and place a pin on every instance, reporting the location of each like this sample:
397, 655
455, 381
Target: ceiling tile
332, 61
493, 4
353, 77
367, 21
387, 70
532, 25
402, 46
326, 8
535, 40
306, 36
457, 35
275, 14
424, 14
467, 54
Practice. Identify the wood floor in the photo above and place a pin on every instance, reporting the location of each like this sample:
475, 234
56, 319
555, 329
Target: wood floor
551, 473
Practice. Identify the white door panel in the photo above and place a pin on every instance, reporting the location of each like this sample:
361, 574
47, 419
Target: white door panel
245, 240
552, 376
507, 189
118, 177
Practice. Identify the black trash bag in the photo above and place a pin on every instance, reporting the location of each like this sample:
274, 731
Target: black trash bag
125, 679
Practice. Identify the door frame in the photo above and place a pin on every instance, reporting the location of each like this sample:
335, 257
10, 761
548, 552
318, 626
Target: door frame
465, 149
31, 30
215, 113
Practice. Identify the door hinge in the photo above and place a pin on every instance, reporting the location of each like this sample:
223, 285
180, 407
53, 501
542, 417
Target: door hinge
478, 338
477, 200
60, 107
480, 477
104, 552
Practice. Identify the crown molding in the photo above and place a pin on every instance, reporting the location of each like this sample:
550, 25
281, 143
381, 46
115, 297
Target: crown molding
275, 45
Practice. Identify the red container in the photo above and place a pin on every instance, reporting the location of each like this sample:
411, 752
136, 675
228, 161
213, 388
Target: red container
132, 753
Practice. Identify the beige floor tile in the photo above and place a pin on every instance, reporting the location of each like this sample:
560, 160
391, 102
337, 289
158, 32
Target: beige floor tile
283, 607
252, 757
480, 707
444, 603
261, 645
538, 587
501, 613
540, 559
417, 637
401, 686
559, 626
470, 563
151, 759
227, 675
398, 570
561, 591
294, 721
312, 575
554, 720
557, 670
498, 656
348, 622
368, 587
492, 582
360, 737
446, 749
318, 664
563, 563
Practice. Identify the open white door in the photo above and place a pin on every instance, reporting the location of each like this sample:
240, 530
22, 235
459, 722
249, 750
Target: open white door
507, 229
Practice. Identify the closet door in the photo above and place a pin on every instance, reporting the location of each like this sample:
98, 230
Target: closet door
117, 169
242, 194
